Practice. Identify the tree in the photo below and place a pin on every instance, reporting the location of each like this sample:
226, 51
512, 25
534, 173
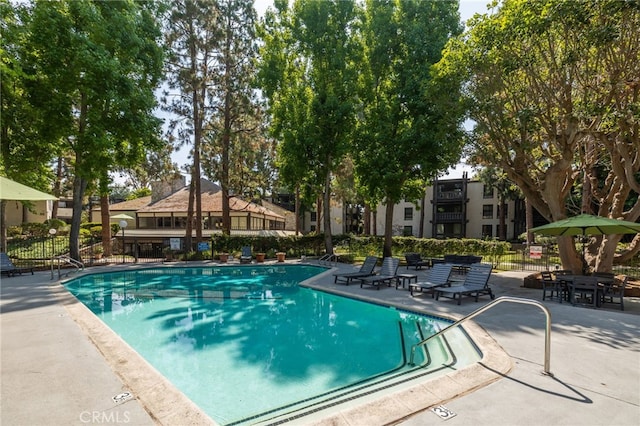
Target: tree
410, 117
497, 179
308, 75
192, 37
24, 155
553, 87
234, 133
95, 66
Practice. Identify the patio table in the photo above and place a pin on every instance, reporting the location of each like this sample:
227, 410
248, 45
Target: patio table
586, 283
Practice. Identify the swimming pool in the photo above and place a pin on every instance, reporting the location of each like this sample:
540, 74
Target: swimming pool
288, 350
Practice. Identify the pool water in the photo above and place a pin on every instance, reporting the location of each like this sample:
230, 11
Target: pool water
248, 344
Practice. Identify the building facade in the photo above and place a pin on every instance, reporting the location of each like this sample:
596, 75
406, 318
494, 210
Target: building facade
451, 208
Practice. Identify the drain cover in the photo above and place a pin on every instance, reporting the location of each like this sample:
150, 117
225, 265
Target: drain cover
122, 397
443, 412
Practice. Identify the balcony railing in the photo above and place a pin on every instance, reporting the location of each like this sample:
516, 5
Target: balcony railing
449, 195
449, 217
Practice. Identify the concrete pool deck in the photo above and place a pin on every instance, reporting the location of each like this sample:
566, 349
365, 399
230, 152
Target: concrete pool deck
60, 367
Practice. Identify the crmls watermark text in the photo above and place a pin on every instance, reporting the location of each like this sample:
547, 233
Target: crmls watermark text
102, 417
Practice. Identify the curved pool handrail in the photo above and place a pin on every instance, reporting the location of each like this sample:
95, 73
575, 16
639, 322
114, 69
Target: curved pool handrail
547, 334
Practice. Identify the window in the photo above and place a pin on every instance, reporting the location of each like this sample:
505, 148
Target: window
487, 191
408, 213
487, 211
487, 231
407, 231
314, 216
313, 228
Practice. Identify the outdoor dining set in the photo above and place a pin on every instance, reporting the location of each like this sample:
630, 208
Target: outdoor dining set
592, 290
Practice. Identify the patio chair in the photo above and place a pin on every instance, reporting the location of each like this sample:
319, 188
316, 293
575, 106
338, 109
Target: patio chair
7, 267
366, 270
438, 277
586, 287
614, 293
246, 256
476, 283
416, 261
551, 287
387, 274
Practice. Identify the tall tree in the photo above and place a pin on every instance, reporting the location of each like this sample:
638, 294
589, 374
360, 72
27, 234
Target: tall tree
24, 154
308, 75
192, 37
235, 127
553, 87
497, 179
96, 65
411, 118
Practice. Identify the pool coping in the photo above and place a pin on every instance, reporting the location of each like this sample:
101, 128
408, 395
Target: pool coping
428, 392
166, 404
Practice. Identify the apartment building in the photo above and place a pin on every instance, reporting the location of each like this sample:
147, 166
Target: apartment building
451, 208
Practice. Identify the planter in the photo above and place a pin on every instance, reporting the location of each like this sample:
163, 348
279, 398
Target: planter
224, 257
280, 256
260, 257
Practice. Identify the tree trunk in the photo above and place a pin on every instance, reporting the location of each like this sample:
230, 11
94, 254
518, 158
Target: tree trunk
297, 209
188, 239
106, 225
326, 220
79, 187
503, 220
388, 230
57, 188
367, 220
528, 212
422, 206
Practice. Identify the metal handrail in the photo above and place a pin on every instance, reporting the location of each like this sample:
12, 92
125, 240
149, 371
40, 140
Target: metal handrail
75, 263
547, 334
329, 258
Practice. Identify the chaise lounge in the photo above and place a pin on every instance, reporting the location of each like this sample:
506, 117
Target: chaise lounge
7, 266
438, 277
416, 261
366, 270
387, 274
476, 283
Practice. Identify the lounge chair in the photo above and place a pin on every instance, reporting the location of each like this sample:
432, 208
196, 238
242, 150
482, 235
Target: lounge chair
246, 256
366, 270
438, 277
416, 261
387, 274
476, 283
7, 266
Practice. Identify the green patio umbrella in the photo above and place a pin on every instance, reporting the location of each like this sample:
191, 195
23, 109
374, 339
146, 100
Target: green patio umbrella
586, 224
14, 191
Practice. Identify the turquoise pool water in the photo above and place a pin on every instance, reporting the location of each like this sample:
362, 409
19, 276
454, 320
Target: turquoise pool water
248, 344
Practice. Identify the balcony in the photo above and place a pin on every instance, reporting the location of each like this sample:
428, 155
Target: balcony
450, 217
450, 195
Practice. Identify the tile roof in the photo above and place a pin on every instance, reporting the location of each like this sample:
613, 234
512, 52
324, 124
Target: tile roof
211, 202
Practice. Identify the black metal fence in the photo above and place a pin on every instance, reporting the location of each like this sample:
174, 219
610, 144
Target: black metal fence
41, 252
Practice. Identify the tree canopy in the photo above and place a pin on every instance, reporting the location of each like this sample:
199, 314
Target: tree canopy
410, 116
553, 87
92, 69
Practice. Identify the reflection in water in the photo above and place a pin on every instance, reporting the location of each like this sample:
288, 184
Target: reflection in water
242, 341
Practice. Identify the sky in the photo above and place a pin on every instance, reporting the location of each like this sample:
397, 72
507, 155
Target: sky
468, 8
